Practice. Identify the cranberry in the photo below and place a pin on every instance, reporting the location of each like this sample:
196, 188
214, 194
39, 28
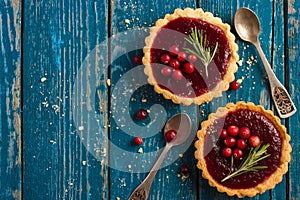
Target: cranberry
234, 85
254, 140
137, 60
165, 58
237, 153
223, 134
177, 75
184, 170
138, 140
188, 68
192, 58
141, 114
174, 63
241, 144
244, 132
181, 56
166, 71
170, 135
174, 50
226, 152
230, 141
233, 130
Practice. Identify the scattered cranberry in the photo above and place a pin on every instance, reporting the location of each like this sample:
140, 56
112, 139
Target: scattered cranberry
174, 63
137, 60
244, 132
226, 152
241, 144
223, 134
192, 58
233, 130
230, 141
181, 56
138, 140
234, 85
141, 114
237, 153
165, 58
166, 71
188, 68
174, 50
184, 170
177, 75
170, 135
254, 140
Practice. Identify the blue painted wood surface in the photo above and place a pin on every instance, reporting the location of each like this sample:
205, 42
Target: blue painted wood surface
69, 94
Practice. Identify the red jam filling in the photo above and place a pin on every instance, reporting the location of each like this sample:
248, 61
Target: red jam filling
219, 166
196, 83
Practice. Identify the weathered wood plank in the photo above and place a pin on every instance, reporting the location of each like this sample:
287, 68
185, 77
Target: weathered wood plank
10, 99
62, 157
293, 82
135, 17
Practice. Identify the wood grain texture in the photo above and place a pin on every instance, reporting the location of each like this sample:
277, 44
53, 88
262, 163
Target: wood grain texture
59, 118
292, 10
10, 91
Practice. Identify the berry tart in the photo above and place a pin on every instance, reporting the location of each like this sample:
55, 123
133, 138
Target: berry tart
243, 149
190, 56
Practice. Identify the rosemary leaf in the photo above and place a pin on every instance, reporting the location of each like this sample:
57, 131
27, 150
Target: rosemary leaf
198, 42
249, 164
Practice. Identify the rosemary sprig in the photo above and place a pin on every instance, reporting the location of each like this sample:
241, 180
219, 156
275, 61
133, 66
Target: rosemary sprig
198, 41
249, 164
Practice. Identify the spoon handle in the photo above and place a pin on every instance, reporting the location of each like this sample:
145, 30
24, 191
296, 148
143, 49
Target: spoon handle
281, 97
142, 191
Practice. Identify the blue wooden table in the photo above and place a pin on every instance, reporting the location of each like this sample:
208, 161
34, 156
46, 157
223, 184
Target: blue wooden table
70, 90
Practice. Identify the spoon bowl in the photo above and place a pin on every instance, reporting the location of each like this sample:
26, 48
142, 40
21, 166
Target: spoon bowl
181, 123
247, 25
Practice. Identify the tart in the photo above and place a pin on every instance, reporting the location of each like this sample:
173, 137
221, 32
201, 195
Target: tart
190, 56
243, 121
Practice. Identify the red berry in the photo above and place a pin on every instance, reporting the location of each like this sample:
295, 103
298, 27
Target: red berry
166, 71
170, 135
230, 141
244, 132
174, 50
188, 68
137, 60
223, 134
138, 140
141, 114
237, 153
241, 144
254, 140
181, 56
184, 170
192, 58
177, 75
234, 85
174, 63
165, 58
233, 130
226, 152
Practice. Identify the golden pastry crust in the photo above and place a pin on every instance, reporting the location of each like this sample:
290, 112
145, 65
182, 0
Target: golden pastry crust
223, 85
275, 178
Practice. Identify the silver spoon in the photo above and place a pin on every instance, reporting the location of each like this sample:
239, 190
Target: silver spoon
248, 28
181, 123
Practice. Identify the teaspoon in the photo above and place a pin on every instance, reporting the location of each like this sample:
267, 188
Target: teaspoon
247, 26
181, 123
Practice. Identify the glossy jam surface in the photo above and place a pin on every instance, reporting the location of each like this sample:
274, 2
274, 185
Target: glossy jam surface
196, 83
219, 166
